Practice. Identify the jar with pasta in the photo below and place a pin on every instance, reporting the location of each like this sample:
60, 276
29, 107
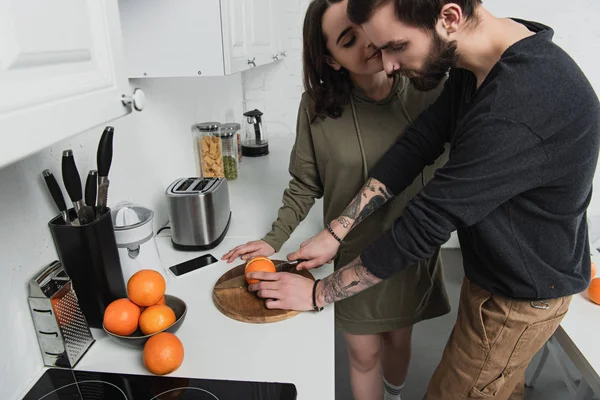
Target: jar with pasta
208, 150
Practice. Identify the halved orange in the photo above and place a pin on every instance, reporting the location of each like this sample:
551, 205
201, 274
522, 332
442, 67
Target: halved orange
258, 264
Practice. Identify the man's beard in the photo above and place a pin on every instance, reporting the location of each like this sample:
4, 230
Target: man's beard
442, 56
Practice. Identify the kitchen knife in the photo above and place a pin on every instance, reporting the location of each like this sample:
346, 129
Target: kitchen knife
72, 183
56, 194
104, 159
237, 282
91, 185
240, 281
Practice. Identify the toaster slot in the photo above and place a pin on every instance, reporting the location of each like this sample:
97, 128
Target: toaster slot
202, 185
184, 186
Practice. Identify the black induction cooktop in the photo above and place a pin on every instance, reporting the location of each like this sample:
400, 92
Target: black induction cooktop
66, 384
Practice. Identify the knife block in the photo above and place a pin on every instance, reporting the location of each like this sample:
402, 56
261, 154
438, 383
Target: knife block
90, 257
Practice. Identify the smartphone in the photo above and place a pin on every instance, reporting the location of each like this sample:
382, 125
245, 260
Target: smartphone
193, 264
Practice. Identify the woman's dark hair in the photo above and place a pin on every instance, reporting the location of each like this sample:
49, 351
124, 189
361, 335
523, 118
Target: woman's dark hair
419, 13
328, 88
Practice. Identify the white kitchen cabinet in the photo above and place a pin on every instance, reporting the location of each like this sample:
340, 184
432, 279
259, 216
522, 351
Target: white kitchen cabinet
261, 30
61, 71
184, 38
234, 25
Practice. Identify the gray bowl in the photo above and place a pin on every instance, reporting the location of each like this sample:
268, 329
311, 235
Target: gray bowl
137, 339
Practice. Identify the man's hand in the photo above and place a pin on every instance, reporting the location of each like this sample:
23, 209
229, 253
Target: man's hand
318, 250
283, 290
288, 291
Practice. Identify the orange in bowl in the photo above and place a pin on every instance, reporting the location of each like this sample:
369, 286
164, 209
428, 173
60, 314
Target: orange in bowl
594, 290
156, 318
258, 264
121, 317
146, 287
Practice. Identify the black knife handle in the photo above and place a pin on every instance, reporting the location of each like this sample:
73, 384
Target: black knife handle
105, 151
54, 189
70, 176
91, 184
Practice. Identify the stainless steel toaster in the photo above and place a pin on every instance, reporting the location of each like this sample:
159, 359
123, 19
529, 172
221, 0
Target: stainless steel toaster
62, 330
199, 211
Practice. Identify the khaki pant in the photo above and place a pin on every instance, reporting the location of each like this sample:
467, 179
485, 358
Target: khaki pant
492, 343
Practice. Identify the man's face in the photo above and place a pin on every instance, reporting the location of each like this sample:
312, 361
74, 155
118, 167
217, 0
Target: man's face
424, 57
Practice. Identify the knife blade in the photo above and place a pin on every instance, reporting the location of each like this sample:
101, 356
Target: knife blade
240, 281
72, 183
57, 195
237, 282
91, 185
104, 159
288, 266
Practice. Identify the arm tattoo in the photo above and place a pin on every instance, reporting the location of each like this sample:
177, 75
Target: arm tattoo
353, 209
385, 192
344, 221
372, 205
375, 194
348, 281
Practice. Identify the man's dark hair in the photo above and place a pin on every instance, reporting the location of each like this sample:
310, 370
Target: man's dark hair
419, 13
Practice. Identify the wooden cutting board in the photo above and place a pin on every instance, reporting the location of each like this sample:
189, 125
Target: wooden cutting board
242, 305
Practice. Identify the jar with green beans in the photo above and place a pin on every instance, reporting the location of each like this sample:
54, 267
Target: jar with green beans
229, 151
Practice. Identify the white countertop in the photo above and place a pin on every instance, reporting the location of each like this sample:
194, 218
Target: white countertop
299, 350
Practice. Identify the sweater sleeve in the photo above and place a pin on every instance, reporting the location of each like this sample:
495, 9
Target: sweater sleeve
304, 187
422, 143
492, 160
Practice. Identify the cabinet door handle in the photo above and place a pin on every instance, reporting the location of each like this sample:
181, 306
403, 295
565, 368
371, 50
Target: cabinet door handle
252, 62
137, 100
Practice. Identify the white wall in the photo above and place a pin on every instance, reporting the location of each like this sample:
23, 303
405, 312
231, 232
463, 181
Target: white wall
151, 149
277, 88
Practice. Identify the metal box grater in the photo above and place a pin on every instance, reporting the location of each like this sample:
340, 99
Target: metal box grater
62, 330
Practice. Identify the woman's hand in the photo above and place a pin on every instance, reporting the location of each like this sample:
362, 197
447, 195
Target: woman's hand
251, 249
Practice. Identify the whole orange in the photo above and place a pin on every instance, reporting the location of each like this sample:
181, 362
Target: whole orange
146, 287
156, 318
594, 290
121, 317
258, 264
163, 353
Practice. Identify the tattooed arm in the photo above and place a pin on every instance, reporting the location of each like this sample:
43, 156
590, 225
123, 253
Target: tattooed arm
373, 195
323, 247
345, 282
294, 292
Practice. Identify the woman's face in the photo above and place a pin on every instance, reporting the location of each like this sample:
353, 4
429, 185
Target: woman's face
347, 43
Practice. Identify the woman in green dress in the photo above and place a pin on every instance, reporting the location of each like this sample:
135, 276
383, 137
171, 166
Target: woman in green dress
349, 115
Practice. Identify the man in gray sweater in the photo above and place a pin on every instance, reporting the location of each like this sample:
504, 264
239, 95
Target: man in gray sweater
523, 123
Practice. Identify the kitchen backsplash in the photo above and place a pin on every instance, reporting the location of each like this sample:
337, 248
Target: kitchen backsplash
151, 149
